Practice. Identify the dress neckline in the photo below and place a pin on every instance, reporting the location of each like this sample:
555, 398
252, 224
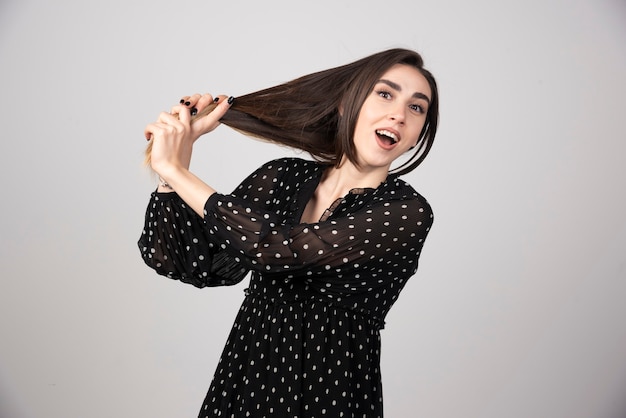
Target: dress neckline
309, 188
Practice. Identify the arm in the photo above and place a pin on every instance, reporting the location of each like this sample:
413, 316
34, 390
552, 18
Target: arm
174, 241
175, 244
173, 138
387, 230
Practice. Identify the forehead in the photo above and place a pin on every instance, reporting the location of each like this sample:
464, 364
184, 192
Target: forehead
409, 78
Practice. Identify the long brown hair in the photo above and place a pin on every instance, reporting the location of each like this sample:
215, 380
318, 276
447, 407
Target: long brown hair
304, 113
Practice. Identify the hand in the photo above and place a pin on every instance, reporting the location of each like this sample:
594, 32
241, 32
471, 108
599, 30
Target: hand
202, 105
174, 133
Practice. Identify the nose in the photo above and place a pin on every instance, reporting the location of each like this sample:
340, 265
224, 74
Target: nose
397, 114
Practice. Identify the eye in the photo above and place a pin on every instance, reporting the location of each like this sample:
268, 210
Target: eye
417, 108
384, 94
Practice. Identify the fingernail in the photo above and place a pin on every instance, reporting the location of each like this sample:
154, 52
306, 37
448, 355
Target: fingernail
231, 99
194, 111
182, 101
217, 99
187, 103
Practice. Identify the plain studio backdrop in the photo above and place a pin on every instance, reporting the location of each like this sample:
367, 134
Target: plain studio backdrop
517, 310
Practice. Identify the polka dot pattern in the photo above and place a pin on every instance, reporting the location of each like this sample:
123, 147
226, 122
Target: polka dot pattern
306, 341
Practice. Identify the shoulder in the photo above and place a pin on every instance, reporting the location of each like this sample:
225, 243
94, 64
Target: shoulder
290, 163
292, 166
277, 174
397, 191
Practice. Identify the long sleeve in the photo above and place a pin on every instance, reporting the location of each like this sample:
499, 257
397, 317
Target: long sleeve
175, 244
382, 231
257, 228
389, 229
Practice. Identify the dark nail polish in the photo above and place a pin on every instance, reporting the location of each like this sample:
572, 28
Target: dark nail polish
231, 99
217, 99
194, 111
182, 101
187, 103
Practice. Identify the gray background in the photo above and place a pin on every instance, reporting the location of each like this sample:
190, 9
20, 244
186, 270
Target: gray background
518, 308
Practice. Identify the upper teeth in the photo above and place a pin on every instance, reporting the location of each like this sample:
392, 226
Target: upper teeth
387, 133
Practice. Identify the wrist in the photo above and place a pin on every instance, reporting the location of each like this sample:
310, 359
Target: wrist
167, 177
164, 187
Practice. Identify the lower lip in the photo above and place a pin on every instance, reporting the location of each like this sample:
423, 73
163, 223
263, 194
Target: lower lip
384, 145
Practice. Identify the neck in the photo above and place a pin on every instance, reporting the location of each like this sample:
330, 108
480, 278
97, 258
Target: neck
339, 181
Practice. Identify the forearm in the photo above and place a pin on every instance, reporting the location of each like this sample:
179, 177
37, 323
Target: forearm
193, 191
175, 243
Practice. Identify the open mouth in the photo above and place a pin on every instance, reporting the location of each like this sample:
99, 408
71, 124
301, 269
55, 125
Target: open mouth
386, 137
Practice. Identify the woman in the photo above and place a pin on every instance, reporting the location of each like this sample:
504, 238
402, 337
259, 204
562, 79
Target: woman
330, 243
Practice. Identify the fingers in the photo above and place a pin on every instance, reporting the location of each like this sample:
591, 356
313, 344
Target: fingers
167, 124
196, 103
223, 104
204, 101
187, 100
148, 131
181, 113
165, 117
182, 116
211, 120
153, 129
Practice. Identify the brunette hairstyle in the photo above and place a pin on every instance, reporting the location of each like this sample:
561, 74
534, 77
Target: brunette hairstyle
304, 113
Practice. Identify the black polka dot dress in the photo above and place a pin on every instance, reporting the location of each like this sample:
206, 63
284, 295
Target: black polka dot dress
306, 340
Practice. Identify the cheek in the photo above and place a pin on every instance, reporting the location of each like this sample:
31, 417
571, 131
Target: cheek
417, 129
370, 111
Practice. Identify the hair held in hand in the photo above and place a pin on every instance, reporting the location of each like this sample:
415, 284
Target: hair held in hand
317, 113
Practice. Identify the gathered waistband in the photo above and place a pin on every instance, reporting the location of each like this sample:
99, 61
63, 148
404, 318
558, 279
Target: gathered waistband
376, 322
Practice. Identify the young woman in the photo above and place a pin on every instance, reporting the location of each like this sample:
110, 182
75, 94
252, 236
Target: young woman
330, 242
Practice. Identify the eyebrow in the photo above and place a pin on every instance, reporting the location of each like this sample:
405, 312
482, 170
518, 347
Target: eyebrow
397, 87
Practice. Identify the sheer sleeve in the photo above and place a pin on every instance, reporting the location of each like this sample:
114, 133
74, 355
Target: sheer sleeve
389, 231
175, 244
255, 228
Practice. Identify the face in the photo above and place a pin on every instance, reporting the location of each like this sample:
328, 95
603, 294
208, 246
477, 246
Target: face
392, 117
